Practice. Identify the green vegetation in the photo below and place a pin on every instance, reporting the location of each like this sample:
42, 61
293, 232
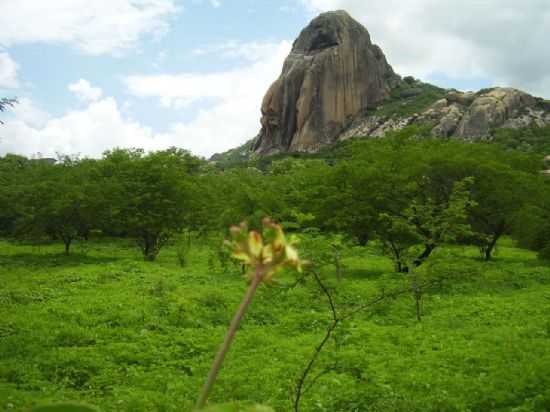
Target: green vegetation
413, 97
234, 156
426, 287
107, 328
532, 139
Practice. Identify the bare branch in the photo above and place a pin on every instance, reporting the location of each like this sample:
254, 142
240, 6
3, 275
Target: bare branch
301, 387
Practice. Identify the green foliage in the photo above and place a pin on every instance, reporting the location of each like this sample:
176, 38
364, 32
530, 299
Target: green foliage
102, 327
64, 407
414, 97
149, 194
90, 329
353, 188
58, 200
532, 223
183, 248
531, 139
236, 408
234, 156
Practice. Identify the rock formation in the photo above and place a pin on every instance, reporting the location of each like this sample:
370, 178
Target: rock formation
462, 115
332, 74
336, 85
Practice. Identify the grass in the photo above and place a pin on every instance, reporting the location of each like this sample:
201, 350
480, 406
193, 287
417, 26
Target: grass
106, 328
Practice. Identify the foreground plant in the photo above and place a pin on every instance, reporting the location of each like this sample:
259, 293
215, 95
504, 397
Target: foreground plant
263, 254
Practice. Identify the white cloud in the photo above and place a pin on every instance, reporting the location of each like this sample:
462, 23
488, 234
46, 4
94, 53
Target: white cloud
26, 111
8, 71
90, 131
503, 40
84, 91
238, 93
215, 3
244, 83
94, 27
232, 49
102, 124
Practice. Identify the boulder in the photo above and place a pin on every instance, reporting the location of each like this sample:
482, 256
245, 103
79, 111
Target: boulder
492, 109
462, 98
332, 74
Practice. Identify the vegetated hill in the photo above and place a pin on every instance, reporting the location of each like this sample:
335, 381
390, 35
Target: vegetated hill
336, 85
236, 155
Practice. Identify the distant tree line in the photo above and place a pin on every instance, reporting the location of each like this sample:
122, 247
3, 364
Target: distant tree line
408, 192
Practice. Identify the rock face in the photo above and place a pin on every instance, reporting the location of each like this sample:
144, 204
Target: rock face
491, 110
332, 74
336, 85
468, 115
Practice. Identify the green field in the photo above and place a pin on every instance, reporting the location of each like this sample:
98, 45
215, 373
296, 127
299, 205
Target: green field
104, 327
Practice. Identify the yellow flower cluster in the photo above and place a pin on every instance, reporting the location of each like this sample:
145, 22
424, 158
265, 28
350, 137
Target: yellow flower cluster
268, 252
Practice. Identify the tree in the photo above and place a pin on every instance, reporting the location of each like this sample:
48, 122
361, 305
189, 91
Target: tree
404, 192
60, 200
149, 195
502, 182
532, 225
13, 170
426, 223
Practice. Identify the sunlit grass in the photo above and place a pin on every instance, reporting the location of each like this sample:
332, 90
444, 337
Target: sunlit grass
105, 327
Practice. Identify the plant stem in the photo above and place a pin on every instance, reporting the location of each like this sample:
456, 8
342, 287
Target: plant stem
216, 366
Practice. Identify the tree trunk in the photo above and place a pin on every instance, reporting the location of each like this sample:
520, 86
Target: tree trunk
491, 246
397, 258
67, 242
149, 249
417, 297
150, 257
399, 267
428, 249
363, 239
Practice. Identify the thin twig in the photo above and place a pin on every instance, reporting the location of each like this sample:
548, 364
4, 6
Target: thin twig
301, 387
299, 391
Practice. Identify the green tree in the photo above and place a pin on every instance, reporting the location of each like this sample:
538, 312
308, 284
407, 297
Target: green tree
149, 195
59, 200
13, 170
532, 225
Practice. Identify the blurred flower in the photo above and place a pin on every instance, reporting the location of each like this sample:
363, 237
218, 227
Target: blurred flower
266, 253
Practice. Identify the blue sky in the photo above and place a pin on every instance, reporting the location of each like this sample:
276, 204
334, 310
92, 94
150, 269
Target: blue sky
192, 73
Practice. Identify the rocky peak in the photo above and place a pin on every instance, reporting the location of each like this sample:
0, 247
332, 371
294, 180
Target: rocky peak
326, 31
336, 84
332, 74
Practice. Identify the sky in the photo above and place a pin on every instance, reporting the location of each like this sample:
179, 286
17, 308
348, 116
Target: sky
94, 75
